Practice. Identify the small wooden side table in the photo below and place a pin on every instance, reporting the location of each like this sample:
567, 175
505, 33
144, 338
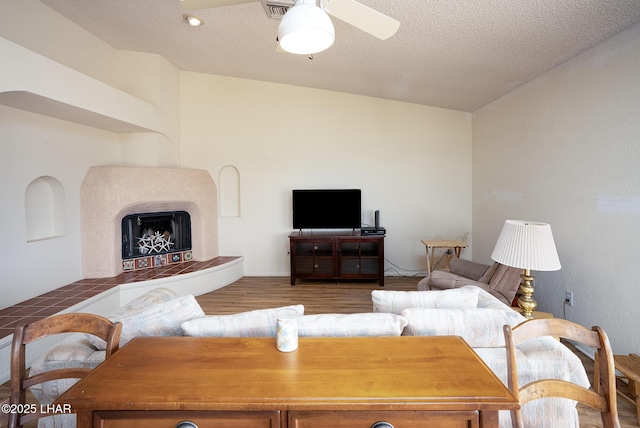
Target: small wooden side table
629, 366
439, 243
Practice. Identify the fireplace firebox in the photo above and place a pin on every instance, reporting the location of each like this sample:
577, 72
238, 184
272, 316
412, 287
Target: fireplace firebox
153, 234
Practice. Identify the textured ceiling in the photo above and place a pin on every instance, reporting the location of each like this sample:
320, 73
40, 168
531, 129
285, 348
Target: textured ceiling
457, 54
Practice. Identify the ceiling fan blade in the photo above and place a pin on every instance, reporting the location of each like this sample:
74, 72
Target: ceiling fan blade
363, 17
206, 4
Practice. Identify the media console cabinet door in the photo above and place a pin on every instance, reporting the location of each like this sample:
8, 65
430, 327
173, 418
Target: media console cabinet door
359, 258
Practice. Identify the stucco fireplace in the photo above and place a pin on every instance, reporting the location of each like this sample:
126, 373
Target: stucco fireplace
109, 195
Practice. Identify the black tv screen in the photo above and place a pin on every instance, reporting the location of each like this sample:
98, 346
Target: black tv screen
326, 209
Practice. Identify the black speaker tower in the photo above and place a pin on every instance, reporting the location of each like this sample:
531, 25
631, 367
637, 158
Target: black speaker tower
377, 230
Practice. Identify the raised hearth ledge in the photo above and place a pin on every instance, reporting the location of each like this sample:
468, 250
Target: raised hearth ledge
196, 282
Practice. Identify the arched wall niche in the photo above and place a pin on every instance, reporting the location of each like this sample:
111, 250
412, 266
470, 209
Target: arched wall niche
229, 192
45, 209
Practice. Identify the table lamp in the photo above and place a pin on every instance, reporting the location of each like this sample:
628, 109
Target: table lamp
526, 245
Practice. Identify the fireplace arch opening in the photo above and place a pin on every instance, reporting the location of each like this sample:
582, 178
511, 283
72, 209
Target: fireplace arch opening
150, 234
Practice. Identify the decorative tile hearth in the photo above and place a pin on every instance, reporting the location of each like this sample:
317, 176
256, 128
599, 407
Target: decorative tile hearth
156, 261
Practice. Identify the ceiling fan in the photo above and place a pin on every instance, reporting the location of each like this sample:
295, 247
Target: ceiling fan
306, 28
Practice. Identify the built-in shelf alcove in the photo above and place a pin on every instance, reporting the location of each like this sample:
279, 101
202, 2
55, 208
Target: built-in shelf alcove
45, 209
229, 191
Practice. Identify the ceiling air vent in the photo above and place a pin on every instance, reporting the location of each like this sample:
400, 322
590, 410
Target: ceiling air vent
276, 9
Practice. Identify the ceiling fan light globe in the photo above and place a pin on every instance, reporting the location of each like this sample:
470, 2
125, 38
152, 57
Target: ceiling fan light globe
305, 29
306, 42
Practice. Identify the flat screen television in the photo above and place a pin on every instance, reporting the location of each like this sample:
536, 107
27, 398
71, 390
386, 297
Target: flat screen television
327, 209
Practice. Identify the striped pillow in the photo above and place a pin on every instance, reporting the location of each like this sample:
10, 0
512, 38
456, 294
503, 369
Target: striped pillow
258, 323
394, 302
479, 327
351, 325
162, 319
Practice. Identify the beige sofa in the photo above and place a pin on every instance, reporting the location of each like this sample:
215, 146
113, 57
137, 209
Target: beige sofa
499, 280
469, 312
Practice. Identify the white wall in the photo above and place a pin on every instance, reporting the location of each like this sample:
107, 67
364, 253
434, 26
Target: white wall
55, 37
413, 163
34, 145
151, 78
565, 149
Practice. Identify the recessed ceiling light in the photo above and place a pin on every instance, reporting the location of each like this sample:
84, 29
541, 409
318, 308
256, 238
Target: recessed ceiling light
194, 21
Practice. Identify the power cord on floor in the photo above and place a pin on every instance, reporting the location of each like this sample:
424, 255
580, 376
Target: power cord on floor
418, 272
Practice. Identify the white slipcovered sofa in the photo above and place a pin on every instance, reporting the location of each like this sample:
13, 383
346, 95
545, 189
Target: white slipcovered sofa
478, 317
469, 312
159, 312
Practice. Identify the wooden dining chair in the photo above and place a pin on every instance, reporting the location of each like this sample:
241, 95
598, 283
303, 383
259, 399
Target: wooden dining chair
27, 333
603, 394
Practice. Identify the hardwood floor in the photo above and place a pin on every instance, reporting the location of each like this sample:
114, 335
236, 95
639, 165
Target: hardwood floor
251, 293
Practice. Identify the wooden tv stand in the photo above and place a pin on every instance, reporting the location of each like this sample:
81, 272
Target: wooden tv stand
331, 255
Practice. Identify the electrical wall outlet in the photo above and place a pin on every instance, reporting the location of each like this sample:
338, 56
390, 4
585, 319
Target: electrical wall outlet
568, 297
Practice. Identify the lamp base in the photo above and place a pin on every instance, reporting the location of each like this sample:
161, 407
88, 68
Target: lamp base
526, 302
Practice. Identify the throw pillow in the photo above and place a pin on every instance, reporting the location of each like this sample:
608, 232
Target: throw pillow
488, 274
151, 297
351, 325
479, 327
394, 302
163, 319
74, 351
258, 323
467, 268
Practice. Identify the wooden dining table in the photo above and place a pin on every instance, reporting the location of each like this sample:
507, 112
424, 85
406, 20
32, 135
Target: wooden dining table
246, 382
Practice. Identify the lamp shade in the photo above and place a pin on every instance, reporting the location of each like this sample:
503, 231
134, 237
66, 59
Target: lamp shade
305, 29
526, 245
